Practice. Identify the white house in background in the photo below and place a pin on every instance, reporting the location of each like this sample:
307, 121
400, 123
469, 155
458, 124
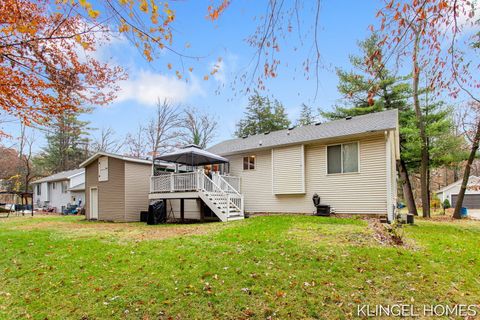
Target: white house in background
59, 190
472, 194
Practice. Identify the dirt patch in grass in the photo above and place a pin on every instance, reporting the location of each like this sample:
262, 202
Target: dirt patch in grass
390, 235
122, 231
338, 234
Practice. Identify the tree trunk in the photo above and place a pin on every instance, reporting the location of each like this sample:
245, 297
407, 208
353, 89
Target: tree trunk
466, 174
406, 187
423, 136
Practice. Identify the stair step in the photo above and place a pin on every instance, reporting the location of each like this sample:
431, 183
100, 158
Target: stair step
235, 218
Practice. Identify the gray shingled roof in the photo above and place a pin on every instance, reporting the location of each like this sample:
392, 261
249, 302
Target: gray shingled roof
339, 128
78, 187
60, 176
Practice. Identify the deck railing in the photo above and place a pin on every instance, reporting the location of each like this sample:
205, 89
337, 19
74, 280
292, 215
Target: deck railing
192, 181
218, 187
174, 182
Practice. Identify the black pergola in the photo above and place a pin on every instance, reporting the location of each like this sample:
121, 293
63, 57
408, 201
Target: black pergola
192, 155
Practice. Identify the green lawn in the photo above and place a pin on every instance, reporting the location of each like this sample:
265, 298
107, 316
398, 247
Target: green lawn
277, 266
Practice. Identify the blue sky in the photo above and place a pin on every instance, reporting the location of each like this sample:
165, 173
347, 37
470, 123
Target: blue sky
342, 24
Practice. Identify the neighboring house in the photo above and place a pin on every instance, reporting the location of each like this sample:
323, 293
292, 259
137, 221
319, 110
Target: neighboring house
349, 163
59, 190
472, 194
116, 187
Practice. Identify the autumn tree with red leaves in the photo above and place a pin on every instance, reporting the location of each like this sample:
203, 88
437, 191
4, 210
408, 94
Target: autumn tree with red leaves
46, 66
425, 35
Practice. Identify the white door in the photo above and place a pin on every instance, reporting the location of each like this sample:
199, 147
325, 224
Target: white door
93, 203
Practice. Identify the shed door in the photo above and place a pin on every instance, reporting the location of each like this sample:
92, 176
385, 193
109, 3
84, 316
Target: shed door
94, 203
471, 201
103, 169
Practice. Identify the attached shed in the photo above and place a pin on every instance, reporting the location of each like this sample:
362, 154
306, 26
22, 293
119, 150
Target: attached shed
116, 187
472, 194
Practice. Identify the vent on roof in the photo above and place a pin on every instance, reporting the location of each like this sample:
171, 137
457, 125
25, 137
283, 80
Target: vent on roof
348, 118
318, 123
260, 143
244, 137
265, 133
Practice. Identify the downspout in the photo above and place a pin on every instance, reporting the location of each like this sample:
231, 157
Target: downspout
388, 172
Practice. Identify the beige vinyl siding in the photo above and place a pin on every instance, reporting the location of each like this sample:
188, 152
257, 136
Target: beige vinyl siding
288, 173
111, 193
137, 187
363, 192
192, 208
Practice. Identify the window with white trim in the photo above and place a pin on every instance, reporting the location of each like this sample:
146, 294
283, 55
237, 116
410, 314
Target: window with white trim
249, 163
342, 158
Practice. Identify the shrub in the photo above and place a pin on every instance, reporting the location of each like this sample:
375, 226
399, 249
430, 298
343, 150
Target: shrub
446, 204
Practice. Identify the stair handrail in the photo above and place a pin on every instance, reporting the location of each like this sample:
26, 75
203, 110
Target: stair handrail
231, 180
233, 192
219, 190
229, 186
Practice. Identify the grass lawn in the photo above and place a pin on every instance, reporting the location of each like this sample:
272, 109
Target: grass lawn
277, 266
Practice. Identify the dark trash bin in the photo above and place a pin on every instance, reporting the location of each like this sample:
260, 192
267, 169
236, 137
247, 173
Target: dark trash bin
143, 216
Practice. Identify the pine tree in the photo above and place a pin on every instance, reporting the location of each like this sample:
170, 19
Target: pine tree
444, 146
392, 92
262, 115
307, 117
67, 144
389, 91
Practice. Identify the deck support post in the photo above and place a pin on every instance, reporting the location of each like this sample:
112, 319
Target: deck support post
202, 210
182, 209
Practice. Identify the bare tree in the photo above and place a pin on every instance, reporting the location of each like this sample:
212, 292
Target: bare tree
106, 142
135, 143
199, 128
26, 158
471, 126
161, 129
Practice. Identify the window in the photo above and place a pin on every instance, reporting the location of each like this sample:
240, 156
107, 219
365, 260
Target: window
54, 184
39, 189
249, 163
342, 158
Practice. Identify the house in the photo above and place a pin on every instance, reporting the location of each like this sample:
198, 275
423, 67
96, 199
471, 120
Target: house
59, 190
472, 194
116, 187
349, 163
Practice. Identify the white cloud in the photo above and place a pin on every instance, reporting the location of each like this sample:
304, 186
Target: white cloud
145, 87
219, 66
226, 67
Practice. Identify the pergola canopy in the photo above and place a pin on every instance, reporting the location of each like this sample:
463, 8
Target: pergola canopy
192, 155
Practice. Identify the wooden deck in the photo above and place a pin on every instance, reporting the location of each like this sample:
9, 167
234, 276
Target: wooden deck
216, 192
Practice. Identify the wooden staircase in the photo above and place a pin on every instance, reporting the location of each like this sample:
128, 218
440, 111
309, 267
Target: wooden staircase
224, 200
